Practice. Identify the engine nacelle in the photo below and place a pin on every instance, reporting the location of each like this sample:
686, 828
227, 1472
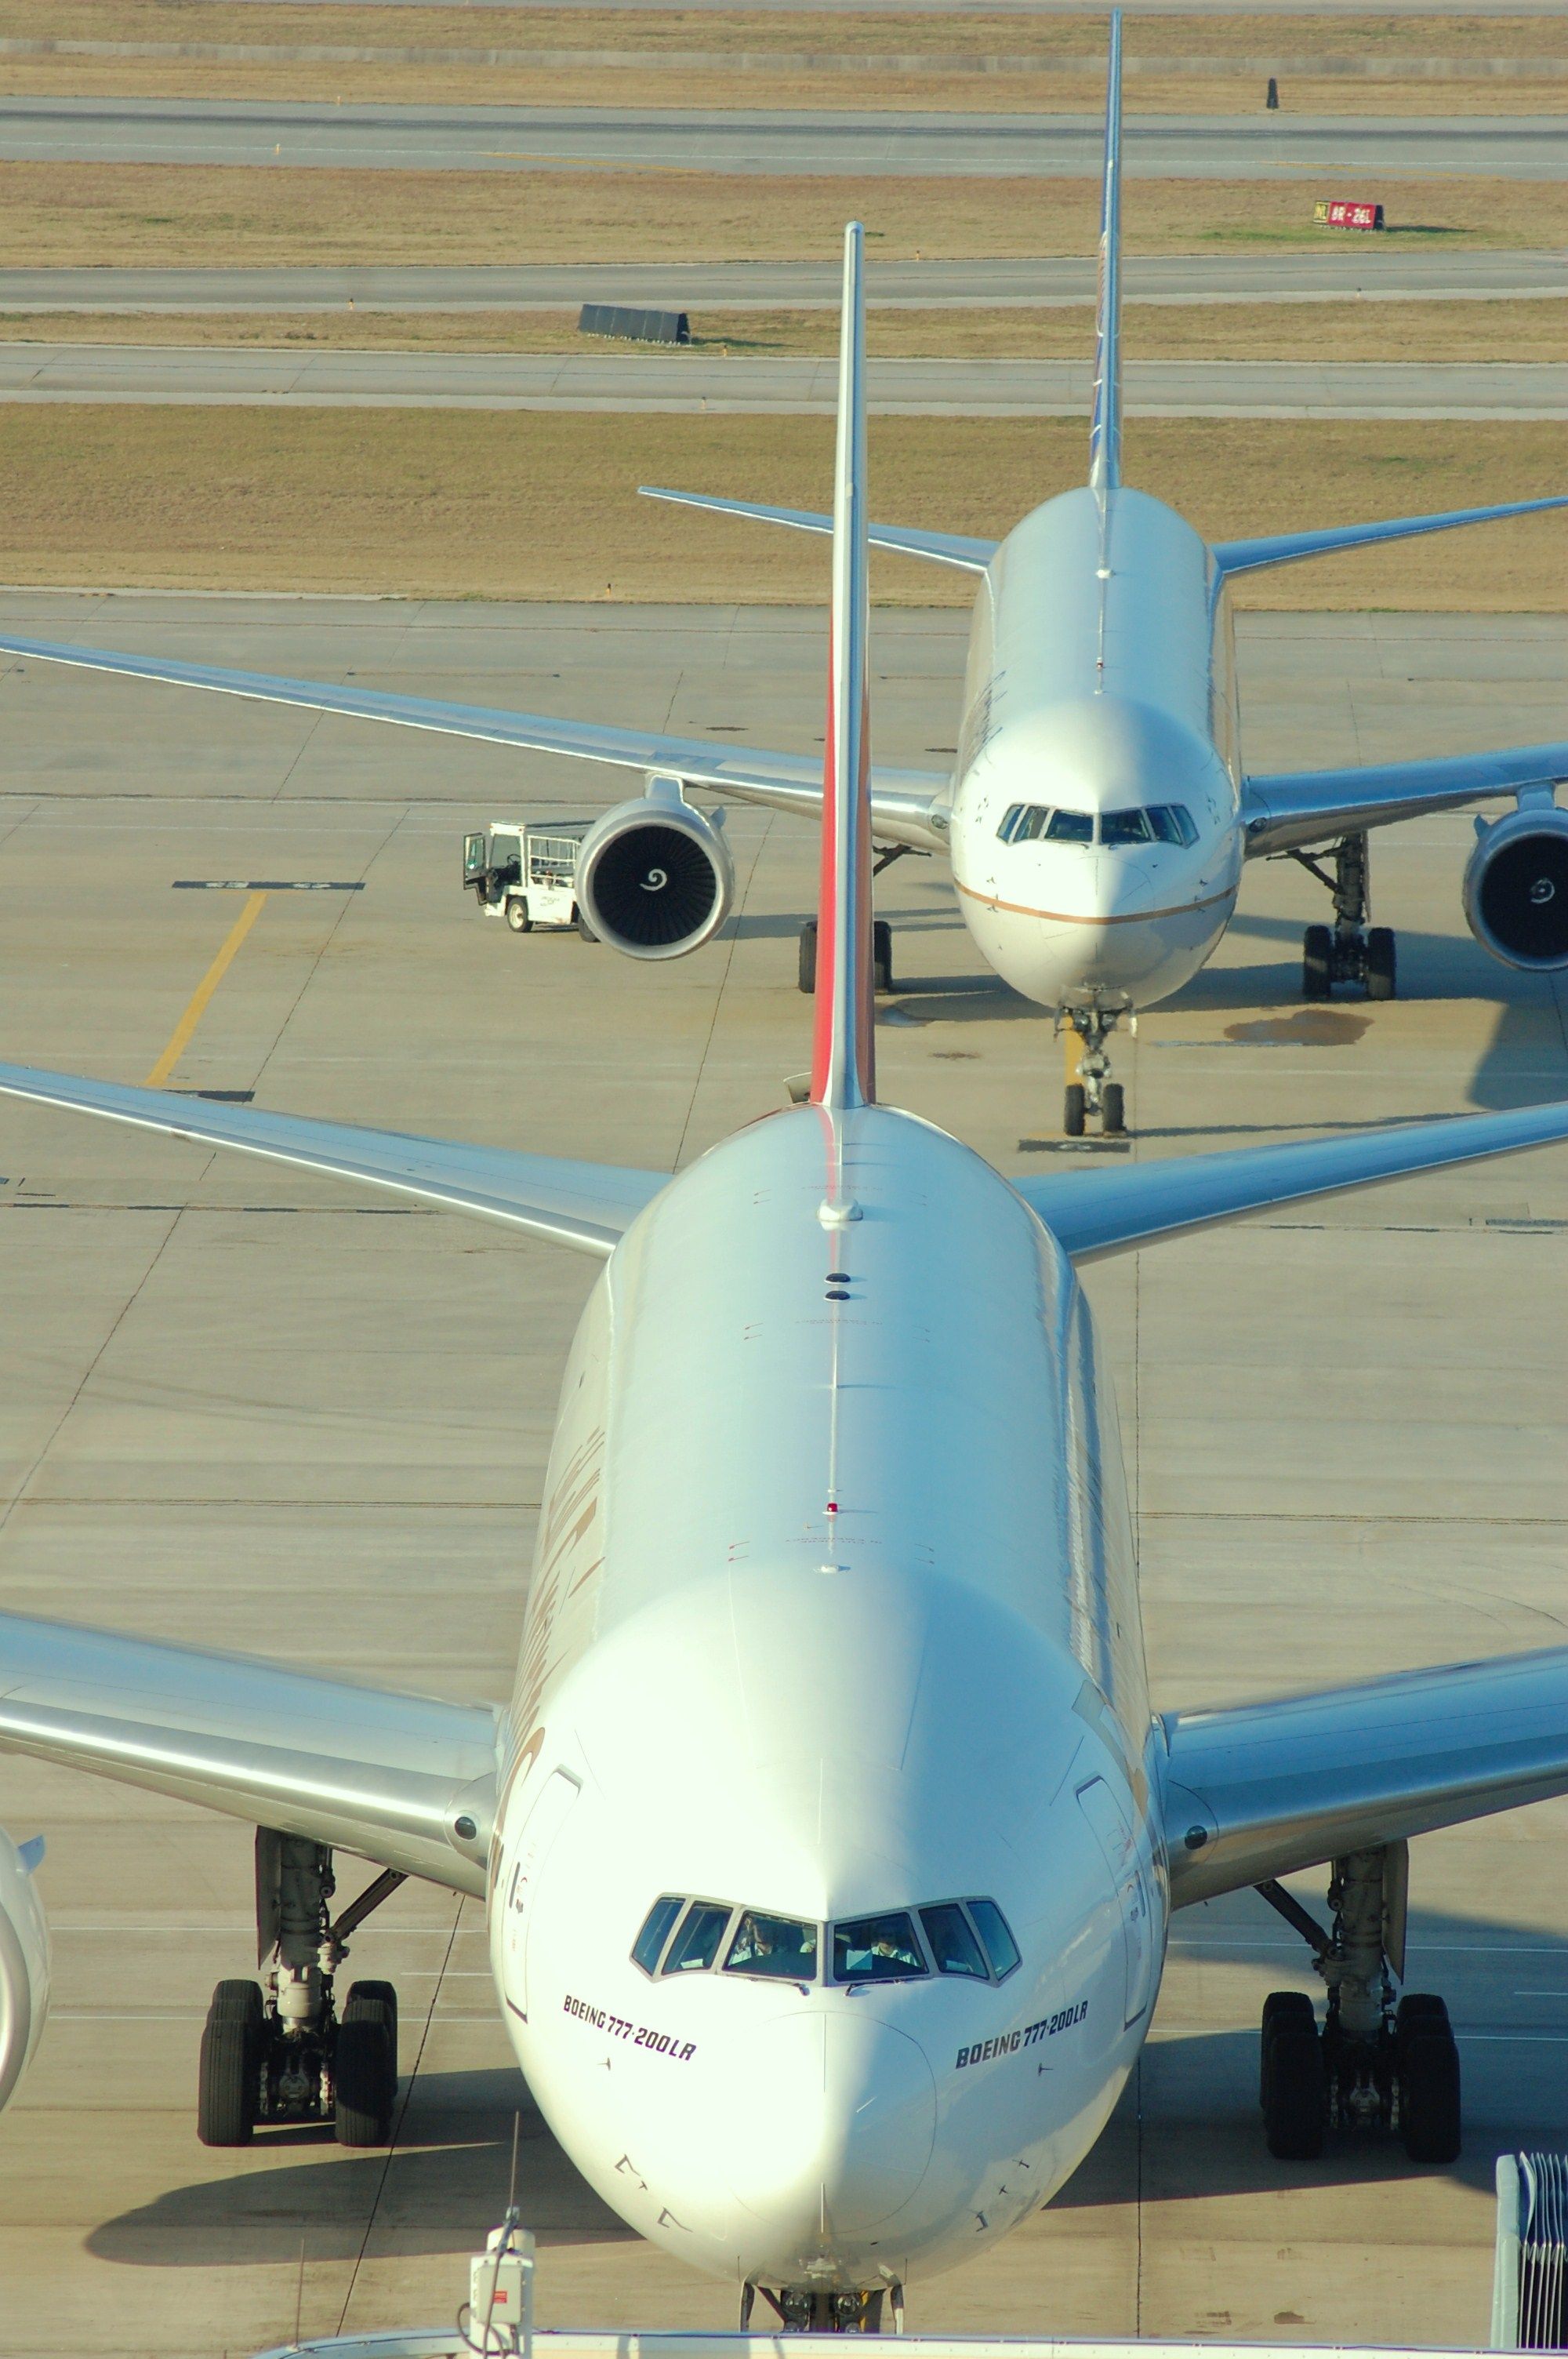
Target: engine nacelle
1515, 888
654, 877
24, 1962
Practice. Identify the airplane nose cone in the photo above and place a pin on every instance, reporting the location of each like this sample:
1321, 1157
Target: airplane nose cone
842, 2121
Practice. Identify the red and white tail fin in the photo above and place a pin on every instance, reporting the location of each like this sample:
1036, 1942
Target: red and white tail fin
843, 1061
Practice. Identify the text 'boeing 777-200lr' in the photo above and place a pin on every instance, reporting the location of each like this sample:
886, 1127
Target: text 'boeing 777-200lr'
823, 1980
1097, 817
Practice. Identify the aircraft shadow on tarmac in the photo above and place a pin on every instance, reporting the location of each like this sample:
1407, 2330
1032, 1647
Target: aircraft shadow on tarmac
1188, 2126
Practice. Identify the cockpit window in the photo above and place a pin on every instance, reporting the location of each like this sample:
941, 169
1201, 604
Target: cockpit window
992, 1928
1142, 823
953, 1942
877, 1949
1173, 823
696, 1946
780, 1947
1120, 827
655, 1932
1069, 827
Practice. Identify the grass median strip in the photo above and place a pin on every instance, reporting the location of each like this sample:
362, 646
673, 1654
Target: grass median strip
543, 505
194, 215
1410, 331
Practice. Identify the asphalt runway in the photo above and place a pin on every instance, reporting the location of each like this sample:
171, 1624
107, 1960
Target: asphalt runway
960, 8
241, 1408
507, 138
1332, 275
692, 380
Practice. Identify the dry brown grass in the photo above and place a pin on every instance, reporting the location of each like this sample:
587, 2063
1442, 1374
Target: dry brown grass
1221, 92
845, 32
1277, 332
183, 215
455, 503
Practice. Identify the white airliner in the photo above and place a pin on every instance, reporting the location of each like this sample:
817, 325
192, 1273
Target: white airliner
828, 1845
1097, 816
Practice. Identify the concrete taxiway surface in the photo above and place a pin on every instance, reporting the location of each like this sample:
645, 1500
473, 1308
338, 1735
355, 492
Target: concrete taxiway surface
692, 380
515, 138
1330, 275
239, 1407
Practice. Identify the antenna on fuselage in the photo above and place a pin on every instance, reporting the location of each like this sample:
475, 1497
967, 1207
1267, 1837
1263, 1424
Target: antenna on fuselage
843, 1061
1105, 423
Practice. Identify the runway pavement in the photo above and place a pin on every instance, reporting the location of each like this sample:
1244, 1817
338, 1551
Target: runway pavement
1332, 274
492, 139
241, 1408
697, 381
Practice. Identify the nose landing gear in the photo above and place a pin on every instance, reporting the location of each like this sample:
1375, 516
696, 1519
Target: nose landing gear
1094, 1092
1373, 2065
823, 2310
279, 2051
1350, 950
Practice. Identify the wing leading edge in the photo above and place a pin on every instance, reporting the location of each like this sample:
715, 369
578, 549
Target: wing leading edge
1295, 809
1261, 1789
587, 1205
403, 1780
1093, 1214
902, 801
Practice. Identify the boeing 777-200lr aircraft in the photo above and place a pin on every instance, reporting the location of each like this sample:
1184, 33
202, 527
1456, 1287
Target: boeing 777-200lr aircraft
824, 1979
1097, 816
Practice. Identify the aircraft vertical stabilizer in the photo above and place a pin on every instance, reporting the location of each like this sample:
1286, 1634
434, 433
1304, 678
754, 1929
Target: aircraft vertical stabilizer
1105, 424
843, 1062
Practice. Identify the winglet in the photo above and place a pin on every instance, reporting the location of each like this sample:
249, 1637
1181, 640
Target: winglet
1105, 425
843, 1054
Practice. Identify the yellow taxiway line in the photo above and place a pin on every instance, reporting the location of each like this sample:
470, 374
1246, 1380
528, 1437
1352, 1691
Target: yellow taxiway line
180, 1039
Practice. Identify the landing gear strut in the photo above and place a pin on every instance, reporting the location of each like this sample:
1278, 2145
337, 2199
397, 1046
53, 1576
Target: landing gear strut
1094, 1092
881, 956
1350, 950
279, 2051
1373, 2065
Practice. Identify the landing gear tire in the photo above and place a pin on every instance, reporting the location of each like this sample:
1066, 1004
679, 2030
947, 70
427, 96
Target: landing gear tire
1075, 1103
364, 2082
374, 2003
584, 929
1113, 1110
881, 955
1279, 2008
517, 917
226, 2089
1380, 963
1295, 2109
808, 976
238, 2002
1317, 963
1429, 2089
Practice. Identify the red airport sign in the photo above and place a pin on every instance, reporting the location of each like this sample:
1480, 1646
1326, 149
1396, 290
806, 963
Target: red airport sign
1345, 212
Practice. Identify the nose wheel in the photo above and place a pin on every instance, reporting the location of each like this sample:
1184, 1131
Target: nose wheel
1093, 1094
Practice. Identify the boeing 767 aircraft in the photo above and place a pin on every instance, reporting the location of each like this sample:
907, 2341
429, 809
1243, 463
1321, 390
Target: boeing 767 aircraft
1097, 817
827, 1845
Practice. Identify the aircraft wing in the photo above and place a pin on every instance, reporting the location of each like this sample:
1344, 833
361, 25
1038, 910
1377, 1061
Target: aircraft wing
1261, 1789
1289, 548
944, 547
902, 801
588, 1206
1095, 1213
1309, 806
384, 1775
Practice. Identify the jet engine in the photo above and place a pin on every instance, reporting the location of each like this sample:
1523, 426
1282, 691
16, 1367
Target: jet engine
1515, 888
654, 877
24, 1960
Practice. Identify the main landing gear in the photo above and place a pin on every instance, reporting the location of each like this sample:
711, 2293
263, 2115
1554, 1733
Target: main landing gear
280, 2050
1373, 2065
816, 2310
881, 956
1350, 950
1094, 1092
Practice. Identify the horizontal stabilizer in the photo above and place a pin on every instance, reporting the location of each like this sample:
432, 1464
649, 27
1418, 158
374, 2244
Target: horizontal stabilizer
1095, 1213
1303, 807
943, 548
1258, 1790
588, 1206
902, 801
384, 1775
1287, 548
